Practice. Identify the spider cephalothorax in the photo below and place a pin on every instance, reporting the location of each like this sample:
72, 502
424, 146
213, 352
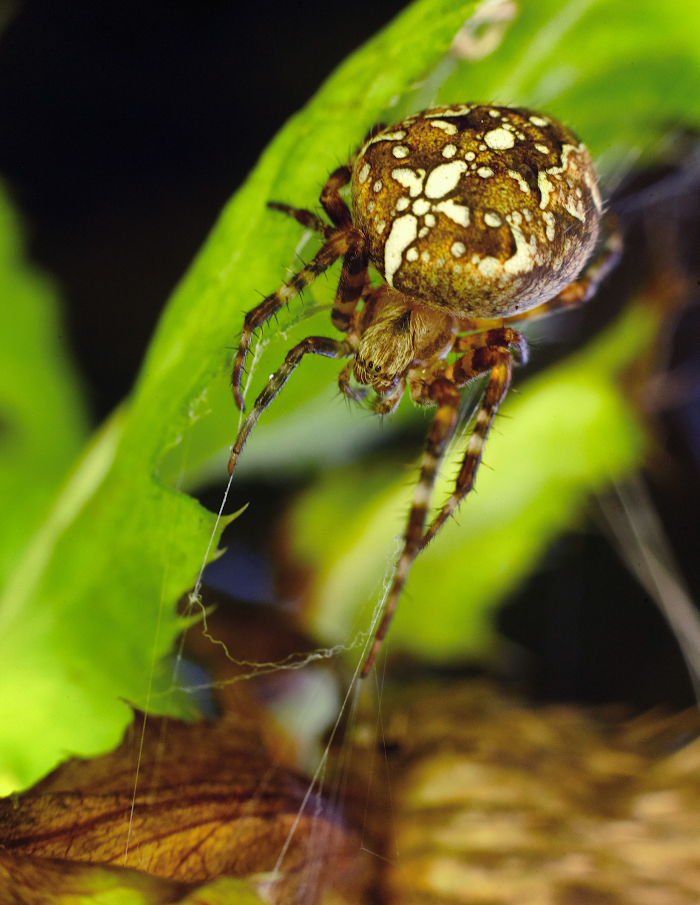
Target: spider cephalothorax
476, 217
394, 333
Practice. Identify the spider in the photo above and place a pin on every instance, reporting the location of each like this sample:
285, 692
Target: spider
476, 217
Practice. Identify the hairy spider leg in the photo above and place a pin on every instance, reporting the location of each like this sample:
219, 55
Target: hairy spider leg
339, 241
328, 254
312, 345
512, 345
474, 350
446, 395
330, 198
492, 351
351, 287
353, 277
306, 218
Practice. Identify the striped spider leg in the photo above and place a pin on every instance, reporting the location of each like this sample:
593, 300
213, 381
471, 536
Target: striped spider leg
312, 345
492, 351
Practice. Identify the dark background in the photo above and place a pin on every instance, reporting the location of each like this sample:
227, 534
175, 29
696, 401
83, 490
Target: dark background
125, 125
124, 128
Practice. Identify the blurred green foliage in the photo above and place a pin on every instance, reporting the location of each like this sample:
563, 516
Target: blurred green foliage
87, 612
65, 883
43, 422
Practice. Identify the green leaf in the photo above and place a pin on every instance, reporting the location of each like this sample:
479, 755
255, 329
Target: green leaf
88, 613
568, 433
43, 423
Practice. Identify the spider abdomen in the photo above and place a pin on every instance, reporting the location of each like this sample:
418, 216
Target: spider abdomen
488, 211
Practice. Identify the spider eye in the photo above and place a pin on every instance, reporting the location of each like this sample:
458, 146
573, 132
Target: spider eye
377, 369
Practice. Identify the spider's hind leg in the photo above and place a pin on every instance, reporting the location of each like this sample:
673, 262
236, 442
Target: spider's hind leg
495, 351
446, 395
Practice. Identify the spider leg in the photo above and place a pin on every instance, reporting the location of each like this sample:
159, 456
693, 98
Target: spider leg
586, 286
474, 360
445, 394
312, 345
332, 203
494, 350
353, 277
351, 287
346, 389
340, 241
306, 218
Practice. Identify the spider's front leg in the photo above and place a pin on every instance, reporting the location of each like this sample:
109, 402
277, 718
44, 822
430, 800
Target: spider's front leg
301, 215
334, 248
312, 345
385, 405
341, 240
347, 389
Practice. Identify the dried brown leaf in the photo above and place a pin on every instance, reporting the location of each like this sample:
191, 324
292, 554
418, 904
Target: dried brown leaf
209, 802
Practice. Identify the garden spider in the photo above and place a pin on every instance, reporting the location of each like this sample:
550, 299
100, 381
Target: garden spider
477, 217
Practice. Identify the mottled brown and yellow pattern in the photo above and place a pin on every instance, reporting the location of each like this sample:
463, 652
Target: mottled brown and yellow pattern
477, 217
487, 211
